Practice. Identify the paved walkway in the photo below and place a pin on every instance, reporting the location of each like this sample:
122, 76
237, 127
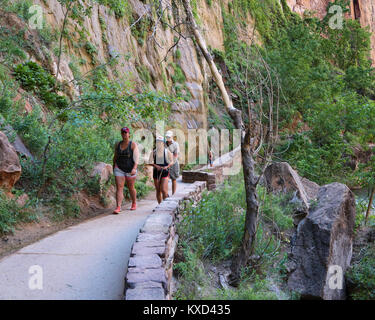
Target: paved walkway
86, 261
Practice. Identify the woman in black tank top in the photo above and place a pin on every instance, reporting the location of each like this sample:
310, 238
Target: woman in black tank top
125, 163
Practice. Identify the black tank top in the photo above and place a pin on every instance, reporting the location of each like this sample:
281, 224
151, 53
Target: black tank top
124, 158
165, 160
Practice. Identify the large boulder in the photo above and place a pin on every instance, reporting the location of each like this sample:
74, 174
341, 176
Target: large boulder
10, 168
280, 177
103, 170
17, 143
322, 248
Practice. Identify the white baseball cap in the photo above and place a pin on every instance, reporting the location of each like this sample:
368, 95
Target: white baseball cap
159, 138
169, 134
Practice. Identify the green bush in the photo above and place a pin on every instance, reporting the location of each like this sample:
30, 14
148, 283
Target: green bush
362, 275
34, 78
257, 290
11, 214
142, 188
213, 228
192, 277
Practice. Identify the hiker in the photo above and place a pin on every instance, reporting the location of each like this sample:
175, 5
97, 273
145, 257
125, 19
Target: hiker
162, 161
125, 163
174, 148
210, 157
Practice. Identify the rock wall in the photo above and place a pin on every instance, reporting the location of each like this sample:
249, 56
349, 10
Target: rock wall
152, 57
150, 267
117, 38
112, 36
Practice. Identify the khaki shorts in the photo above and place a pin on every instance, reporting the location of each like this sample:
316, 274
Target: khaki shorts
119, 173
174, 171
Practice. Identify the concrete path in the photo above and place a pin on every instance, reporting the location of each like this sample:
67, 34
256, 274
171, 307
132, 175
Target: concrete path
86, 261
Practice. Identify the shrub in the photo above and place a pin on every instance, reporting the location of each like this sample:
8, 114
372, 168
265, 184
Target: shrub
11, 213
362, 275
34, 78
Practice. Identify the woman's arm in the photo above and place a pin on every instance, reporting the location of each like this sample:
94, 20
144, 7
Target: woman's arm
170, 159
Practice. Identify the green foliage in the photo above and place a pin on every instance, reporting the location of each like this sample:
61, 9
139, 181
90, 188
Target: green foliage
32, 131
267, 15
325, 75
91, 51
34, 78
362, 275
192, 277
275, 209
178, 76
144, 74
213, 229
142, 188
256, 290
11, 45
141, 28
20, 7
11, 213
119, 7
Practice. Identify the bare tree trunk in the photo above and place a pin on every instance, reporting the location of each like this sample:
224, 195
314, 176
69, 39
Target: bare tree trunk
250, 179
370, 204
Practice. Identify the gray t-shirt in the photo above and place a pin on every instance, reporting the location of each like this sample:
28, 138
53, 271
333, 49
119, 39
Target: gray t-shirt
174, 148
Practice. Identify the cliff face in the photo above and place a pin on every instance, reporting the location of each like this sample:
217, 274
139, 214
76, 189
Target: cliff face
363, 10
150, 63
147, 59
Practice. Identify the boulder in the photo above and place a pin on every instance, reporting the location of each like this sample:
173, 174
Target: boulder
10, 168
17, 143
103, 170
281, 178
322, 247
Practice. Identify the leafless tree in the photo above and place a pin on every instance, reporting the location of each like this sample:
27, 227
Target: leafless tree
251, 179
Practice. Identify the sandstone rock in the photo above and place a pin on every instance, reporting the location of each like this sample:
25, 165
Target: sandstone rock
22, 200
152, 238
149, 261
136, 276
110, 198
323, 239
145, 294
141, 249
10, 169
281, 178
103, 170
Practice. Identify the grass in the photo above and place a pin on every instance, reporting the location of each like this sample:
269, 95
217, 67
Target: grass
362, 275
211, 232
11, 214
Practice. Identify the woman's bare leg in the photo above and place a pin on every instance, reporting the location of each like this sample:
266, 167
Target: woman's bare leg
164, 187
120, 181
130, 185
157, 189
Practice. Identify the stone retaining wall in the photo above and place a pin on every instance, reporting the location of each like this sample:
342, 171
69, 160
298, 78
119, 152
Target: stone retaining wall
150, 265
195, 175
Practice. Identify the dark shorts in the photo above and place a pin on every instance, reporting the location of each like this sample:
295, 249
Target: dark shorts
159, 175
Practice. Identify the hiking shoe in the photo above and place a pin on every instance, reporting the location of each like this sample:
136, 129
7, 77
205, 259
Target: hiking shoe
134, 206
117, 210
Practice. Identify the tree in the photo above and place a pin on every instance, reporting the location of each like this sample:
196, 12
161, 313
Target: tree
247, 150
